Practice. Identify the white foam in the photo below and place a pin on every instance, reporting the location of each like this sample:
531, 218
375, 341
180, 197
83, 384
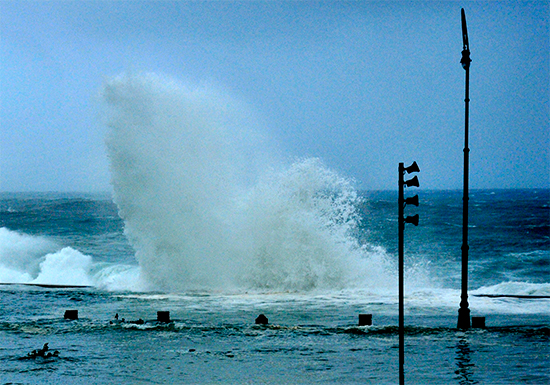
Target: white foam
516, 288
20, 255
36, 259
65, 267
119, 278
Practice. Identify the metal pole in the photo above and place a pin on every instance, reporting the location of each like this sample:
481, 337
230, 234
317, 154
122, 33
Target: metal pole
464, 311
401, 280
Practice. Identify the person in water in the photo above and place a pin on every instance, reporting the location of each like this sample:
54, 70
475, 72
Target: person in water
116, 321
54, 354
42, 352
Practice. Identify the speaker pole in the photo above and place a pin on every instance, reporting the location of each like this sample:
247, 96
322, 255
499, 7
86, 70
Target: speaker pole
401, 214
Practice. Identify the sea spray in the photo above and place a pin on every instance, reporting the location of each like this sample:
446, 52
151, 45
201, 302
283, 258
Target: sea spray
65, 267
20, 255
39, 260
301, 225
177, 163
202, 212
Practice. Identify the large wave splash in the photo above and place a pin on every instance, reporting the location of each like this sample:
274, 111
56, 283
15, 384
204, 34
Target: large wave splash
201, 210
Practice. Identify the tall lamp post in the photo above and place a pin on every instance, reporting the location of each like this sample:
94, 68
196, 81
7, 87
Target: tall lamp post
464, 311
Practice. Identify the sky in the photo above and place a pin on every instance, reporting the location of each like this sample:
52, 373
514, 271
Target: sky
361, 85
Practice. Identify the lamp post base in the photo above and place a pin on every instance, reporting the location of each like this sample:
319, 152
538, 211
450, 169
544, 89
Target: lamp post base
463, 318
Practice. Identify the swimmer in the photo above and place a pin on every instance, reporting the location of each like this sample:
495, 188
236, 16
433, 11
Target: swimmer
42, 351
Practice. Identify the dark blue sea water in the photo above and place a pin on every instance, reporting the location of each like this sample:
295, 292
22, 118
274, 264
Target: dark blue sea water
289, 273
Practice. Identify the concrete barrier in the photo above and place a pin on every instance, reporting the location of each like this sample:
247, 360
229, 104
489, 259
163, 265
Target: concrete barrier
71, 314
163, 316
478, 322
261, 320
365, 319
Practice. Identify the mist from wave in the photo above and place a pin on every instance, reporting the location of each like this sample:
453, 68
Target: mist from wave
203, 209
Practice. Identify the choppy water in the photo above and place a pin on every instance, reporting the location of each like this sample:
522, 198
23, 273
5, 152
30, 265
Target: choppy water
312, 339
312, 336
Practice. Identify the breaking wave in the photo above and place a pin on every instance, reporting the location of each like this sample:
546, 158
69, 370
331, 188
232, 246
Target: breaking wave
203, 209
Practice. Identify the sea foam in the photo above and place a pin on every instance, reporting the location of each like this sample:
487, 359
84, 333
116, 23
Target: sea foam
20, 255
39, 260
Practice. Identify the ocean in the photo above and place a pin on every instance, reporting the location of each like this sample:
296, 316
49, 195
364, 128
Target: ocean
206, 222
312, 335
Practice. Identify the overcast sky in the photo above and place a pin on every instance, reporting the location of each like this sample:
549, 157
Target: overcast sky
361, 85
